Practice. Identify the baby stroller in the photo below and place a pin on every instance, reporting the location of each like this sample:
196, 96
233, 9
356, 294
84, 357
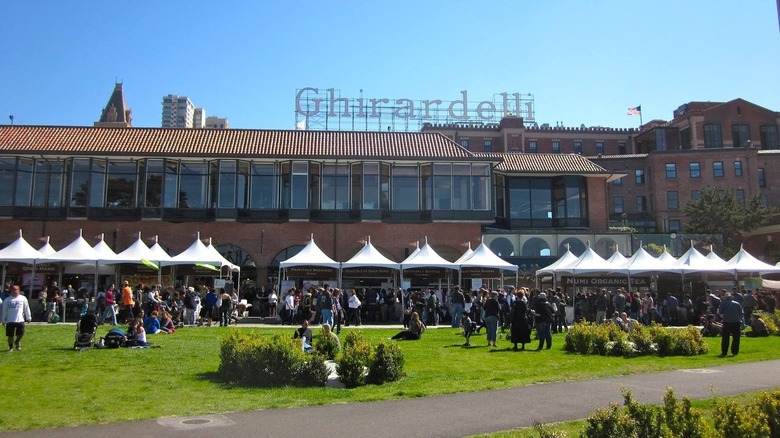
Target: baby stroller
85, 331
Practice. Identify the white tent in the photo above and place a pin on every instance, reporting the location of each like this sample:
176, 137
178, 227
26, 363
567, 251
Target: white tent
19, 251
106, 256
565, 260
617, 259
667, 259
744, 263
78, 251
225, 262
465, 255
693, 261
310, 255
589, 262
196, 254
426, 258
160, 255
642, 262
135, 253
483, 257
368, 256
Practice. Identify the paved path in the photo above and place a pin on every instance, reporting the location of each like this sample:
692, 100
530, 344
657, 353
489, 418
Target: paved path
453, 415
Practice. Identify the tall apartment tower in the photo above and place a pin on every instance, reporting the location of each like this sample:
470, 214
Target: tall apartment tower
199, 118
177, 112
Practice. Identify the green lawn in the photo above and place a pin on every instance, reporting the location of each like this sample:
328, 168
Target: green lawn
103, 385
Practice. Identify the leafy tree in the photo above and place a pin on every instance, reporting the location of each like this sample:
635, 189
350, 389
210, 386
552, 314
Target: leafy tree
721, 212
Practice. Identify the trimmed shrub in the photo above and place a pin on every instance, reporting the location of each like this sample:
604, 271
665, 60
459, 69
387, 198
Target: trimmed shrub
352, 338
313, 372
578, 338
642, 340
734, 421
326, 346
663, 339
610, 423
768, 403
387, 364
354, 361
600, 338
648, 419
549, 431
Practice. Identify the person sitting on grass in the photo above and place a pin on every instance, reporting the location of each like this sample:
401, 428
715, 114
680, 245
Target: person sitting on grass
304, 334
326, 332
415, 330
757, 327
152, 324
166, 323
136, 335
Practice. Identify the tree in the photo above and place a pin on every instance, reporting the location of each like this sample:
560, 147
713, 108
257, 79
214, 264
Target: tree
721, 212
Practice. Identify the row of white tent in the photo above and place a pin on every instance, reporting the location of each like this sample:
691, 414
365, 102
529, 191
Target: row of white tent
693, 261
422, 257
79, 251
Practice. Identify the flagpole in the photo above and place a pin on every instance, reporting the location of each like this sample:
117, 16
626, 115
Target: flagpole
640, 116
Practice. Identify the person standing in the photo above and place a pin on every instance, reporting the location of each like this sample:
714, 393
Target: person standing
127, 302
520, 330
731, 315
544, 317
354, 305
491, 308
325, 301
457, 302
15, 313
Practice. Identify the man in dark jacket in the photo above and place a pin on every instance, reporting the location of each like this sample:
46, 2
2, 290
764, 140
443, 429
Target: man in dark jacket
731, 314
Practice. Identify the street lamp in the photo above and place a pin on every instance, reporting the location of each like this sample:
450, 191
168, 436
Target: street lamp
673, 236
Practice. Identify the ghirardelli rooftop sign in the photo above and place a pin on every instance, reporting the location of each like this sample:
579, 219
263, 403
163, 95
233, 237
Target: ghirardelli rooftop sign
311, 102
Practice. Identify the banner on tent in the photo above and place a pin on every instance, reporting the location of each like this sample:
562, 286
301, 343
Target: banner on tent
133, 269
481, 272
422, 273
368, 272
310, 272
149, 280
606, 281
18, 269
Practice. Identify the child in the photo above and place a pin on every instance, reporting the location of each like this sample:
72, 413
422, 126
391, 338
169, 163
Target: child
468, 327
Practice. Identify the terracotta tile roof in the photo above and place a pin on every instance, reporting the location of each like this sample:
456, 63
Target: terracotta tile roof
227, 142
547, 163
616, 157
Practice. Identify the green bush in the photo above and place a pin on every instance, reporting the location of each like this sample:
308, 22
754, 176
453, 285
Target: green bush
648, 419
326, 345
387, 364
682, 420
352, 338
688, 342
663, 340
353, 363
734, 421
313, 372
261, 361
578, 338
769, 405
549, 431
600, 339
642, 340
770, 319
610, 423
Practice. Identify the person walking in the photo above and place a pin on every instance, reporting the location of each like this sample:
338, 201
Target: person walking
491, 308
15, 314
544, 318
730, 312
457, 302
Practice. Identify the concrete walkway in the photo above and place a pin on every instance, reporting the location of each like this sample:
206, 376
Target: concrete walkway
453, 415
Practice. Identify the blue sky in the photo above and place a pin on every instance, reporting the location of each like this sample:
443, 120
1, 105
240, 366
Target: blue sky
585, 62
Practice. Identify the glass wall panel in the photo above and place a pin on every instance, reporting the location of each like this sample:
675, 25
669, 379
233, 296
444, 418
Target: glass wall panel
242, 185
426, 179
384, 187
79, 182
171, 188
7, 178
335, 187
480, 187
405, 188
442, 186
193, 185
121, 184
47, 183
461, 180
153, 184
574, 192
24, 173
264, 186
97, 188
227, 184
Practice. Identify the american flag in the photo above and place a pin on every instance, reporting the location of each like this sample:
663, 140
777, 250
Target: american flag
635, 111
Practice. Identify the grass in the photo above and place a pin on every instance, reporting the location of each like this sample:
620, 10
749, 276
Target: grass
111, 385
575, 428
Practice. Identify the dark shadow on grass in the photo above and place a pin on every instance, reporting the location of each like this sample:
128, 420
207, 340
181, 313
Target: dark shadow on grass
465, 347
216, 378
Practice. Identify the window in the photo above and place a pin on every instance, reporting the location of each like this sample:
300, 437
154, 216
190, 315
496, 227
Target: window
617, 182
488, 145
695, 195
740, 195
737, 168
193, 185
227, 183
370, 186
671, 170
154, 183
675, 225
405, 188
717, 169
532, 146
80, 172
761, 177
641, 204
685, 138
712, 136
740, 135
617, 204
639, 176
622, 147
556, 146
464, 143
672, 200
695, 169
299, 187
769, 137
480, 186
578, 147
47, 183
120, 184
335, 187
599, 148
